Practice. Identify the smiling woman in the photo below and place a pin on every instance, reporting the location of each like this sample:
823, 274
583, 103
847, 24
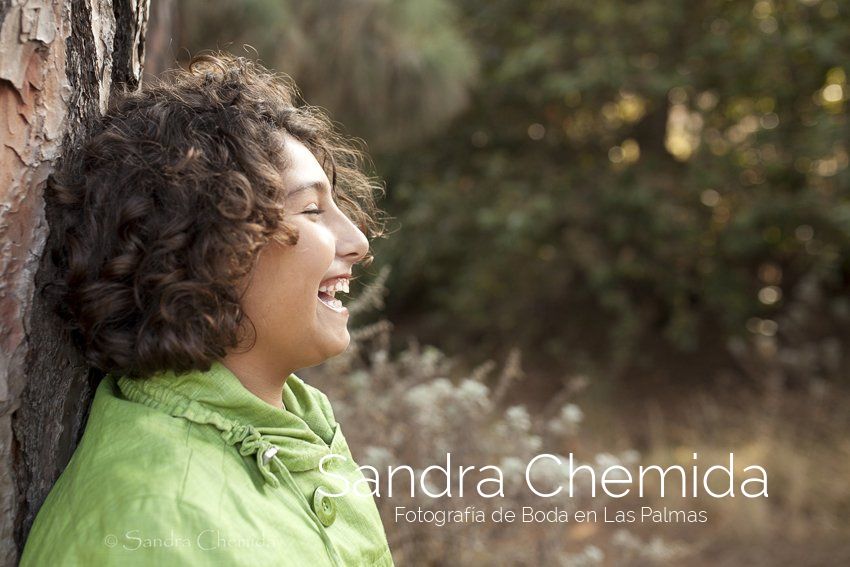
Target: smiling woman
206, 226
304, 329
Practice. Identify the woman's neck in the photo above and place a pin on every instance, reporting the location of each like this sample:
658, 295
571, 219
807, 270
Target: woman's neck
262, 380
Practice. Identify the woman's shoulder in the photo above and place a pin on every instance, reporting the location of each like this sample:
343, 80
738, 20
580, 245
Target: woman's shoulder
139, 475
121, 433
131, 451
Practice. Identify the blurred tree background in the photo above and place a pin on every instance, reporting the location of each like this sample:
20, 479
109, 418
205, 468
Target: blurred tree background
636, 189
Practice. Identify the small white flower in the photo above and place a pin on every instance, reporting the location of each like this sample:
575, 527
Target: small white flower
571, 413
605, 460
474, 392
630, 456
378, 456
518, 418
594, 553
626, 540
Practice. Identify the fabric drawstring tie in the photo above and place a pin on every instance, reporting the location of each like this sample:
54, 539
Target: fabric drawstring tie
250, 442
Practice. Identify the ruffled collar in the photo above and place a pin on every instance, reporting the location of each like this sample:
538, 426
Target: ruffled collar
296, 437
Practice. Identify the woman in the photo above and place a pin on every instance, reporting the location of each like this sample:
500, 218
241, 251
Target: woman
209, 222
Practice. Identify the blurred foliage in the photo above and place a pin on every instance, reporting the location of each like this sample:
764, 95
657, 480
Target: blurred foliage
392, 71
631, 179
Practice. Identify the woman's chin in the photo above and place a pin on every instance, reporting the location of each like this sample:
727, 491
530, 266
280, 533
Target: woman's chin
336, 343
344, 342
334, 330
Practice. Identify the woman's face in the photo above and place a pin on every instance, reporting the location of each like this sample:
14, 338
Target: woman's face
295, 329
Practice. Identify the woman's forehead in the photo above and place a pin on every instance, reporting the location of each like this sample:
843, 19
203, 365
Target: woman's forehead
302, 166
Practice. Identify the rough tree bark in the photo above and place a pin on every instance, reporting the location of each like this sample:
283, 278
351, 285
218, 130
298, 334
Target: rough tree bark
59, 61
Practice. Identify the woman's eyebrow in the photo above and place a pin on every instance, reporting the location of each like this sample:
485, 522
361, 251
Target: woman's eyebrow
314, 185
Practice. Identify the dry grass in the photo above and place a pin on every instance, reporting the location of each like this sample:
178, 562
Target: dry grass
412, 408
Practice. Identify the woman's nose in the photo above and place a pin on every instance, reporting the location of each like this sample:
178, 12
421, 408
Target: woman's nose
352, 244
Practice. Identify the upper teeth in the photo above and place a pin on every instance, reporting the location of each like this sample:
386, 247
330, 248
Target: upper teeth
339, 285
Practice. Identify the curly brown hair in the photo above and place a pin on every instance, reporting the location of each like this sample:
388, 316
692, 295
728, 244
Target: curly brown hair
164, 209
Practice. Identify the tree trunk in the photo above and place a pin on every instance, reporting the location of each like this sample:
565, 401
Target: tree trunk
58, 63
161, 43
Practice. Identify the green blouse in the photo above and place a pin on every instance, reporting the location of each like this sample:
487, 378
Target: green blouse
197, 470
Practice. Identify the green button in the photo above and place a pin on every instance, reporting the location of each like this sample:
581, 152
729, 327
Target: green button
324, 506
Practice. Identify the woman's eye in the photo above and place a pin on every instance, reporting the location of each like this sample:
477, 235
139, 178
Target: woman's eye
314, 211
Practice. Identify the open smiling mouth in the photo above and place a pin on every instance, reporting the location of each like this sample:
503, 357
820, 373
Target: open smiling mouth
327, 292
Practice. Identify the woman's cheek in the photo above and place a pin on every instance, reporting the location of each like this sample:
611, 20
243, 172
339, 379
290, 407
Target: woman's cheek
319, 249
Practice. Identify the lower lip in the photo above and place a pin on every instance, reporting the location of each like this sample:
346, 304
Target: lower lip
342, 309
